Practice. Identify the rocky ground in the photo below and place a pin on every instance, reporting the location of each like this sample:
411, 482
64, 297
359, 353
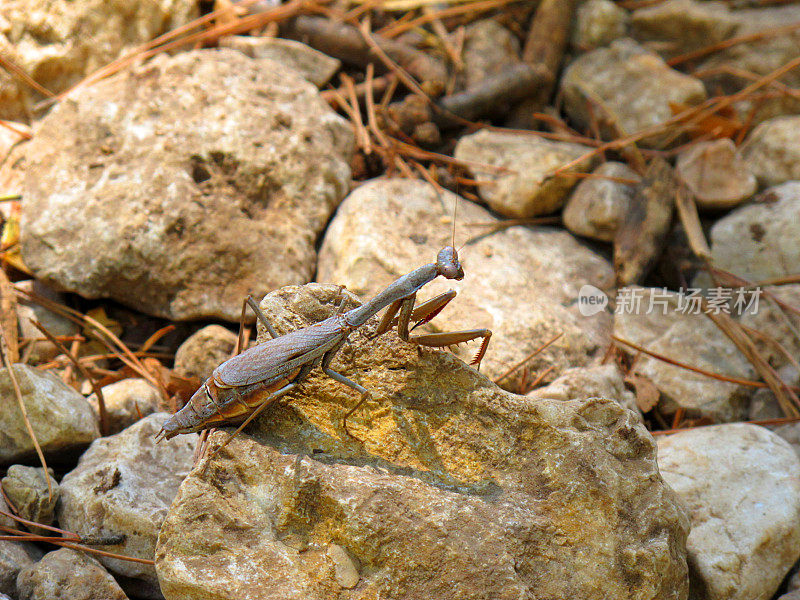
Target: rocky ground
619, 178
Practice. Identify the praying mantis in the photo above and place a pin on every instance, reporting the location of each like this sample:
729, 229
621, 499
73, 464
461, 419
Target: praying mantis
246, 384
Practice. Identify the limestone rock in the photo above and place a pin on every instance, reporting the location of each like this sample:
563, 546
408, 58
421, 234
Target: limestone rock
457, 489
14, 557
522, 283
527, 187
312, 65
778, 323
598, 205
690, 337
602, 381
126, 402
790, 432
6, 521
628, 90
760, 240
58, 42
181, 186
26, 488
764, 405
488, 49
793, 585
793, 595
598, 23
679, 26
41, 350
67, 573
61, 418
716, 174
124, 484
739, 483
758, 56
203, 351
772, 150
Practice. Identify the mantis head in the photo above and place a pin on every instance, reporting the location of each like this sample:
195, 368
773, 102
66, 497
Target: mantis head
447, 264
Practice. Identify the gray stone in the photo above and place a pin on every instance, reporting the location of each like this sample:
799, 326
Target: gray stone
689, 337
126, 402
735, 67
58, 42
794, 595
759, 241
520, 282
124, 484
772, 150
14, 557
597, 206
582, 383
790, 432
680, 26
312, 65
61, 418
627, 90
716, 174
764, 405
598, 23
4, 520
488, 49
455, 489
67, 573
346, 572
42, 350
180, 204
740, 485
780, 324
27, 489
203, 351
793, 585
527, 187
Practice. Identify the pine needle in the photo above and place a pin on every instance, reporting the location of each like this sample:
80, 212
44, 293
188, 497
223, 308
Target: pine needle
18, 394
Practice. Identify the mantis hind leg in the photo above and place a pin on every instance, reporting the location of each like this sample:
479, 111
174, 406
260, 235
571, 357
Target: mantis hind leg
249, 301
304, 371
240, 342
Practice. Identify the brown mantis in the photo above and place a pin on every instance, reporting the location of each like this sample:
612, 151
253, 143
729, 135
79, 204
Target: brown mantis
245, 384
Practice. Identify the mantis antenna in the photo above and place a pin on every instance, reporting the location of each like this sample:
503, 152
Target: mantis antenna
455, 214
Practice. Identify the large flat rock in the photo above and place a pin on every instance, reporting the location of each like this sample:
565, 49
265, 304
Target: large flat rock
181, 186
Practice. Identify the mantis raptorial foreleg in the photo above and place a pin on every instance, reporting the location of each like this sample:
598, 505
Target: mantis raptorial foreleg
424, 313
